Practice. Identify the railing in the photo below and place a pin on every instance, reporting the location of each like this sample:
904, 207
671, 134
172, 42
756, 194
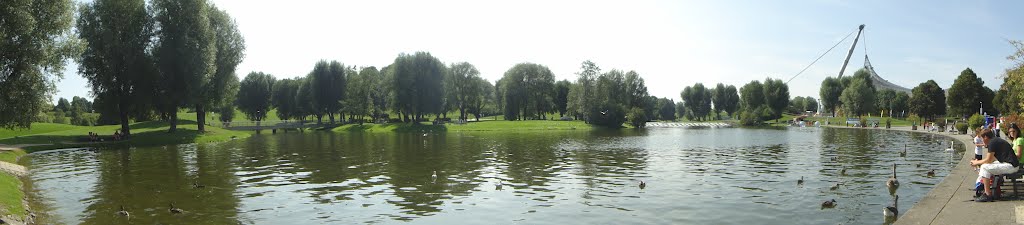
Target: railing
255, 125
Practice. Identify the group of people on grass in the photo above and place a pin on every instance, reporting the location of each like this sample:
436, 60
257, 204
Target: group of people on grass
1003, 157
94, 137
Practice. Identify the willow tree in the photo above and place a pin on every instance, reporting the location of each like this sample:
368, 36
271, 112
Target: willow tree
461, 85
416, 81
254, 95
230, 50
185, 52
35, 39
114, 61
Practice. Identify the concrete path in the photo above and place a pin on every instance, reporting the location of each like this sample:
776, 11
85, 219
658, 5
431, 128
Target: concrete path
952, 200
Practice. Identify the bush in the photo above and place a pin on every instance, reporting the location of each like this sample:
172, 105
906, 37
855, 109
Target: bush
637, 117
748, 118
43, 117
914, 120
962, 127
975, 121
609, 115
58, 117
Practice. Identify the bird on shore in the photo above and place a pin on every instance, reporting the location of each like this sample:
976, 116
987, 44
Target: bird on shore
800, 181
891, 211
931, 173
892, 183
643, 185
174, 210
829, 204
123, 212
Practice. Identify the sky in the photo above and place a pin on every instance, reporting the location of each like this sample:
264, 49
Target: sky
671, 44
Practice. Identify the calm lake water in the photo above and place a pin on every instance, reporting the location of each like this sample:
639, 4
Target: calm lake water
693, 176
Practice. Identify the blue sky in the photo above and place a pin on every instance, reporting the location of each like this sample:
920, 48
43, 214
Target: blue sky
672, 44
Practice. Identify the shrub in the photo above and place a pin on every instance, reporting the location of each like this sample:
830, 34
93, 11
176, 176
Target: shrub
962, 127
43, 117
748, 118
914, 119
637, 117
975, 121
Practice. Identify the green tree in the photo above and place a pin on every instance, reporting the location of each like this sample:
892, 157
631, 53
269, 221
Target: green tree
636, 90
417, 84
226, 106
637, 117
831, 89
63, 105
562, 96
726, 99
928, 100
528, 90
898, 105
229, 48
776, 96
666, 109
1013, 81
462, 86
883, 100
752, 95
485, 102
810, 104
304, 99
327, 83
35, 40
965, 96
581, 98
115, 61
360, 84
185, 52
858, 99
254, 95
283, 98
697, 99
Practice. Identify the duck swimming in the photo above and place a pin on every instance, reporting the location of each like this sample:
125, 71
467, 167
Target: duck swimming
829, 204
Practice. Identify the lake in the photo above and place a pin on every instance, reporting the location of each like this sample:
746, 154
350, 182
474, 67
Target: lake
693, 176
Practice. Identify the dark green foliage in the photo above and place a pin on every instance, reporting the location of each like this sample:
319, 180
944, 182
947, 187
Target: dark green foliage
35, 40
858, 99
230, 50
463, 87
327, 84
831, 89
967, 95
115, 61
637, 117
254, 95
63, 105
776, 97
581, 98
928, 100
527, 91
416, 81
752, 95
697, 99
899, 104
725, 99
609, 114
283, 98
883, 100
562, 96
185, 51
666, 109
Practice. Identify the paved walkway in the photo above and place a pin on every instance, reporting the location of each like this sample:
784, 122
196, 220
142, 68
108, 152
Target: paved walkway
952, 200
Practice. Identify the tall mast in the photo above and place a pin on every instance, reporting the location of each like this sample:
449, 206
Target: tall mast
861, 30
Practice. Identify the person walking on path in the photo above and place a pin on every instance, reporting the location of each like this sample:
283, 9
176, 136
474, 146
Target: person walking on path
999, 160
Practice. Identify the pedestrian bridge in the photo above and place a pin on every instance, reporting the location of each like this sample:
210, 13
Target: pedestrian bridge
688, 125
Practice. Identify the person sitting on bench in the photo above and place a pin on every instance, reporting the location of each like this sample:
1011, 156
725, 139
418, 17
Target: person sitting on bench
999, 160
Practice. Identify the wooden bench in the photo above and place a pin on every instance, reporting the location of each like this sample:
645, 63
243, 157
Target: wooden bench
1015, 178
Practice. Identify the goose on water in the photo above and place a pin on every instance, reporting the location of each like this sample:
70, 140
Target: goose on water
892, 211
800, 181
123, 212
904, 152
892, 183
643, 185
834, 187
829, 204
174, 210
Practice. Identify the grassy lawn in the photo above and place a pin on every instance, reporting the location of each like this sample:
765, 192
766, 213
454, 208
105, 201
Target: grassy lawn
37, 128
11, 156
151, 133
11, 195
499, 125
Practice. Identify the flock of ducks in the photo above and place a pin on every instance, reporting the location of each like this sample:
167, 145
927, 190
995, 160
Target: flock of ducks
173, 210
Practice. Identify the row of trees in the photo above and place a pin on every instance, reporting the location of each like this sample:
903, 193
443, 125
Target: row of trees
142, 60
856, 96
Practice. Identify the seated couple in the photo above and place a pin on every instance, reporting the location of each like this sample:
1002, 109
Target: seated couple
999, 160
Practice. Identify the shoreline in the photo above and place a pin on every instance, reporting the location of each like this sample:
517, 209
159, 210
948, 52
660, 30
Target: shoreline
951, 200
